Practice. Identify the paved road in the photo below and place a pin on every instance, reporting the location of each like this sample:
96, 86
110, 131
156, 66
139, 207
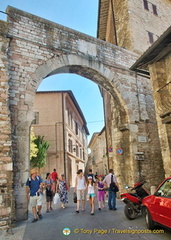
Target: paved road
104, 224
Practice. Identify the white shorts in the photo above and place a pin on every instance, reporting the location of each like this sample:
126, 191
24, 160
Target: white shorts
36, 200
80, 195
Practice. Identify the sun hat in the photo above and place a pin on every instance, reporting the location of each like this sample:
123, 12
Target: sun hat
32, 171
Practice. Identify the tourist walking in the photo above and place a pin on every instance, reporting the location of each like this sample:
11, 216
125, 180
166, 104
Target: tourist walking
80, 187
101, 192
62, 189
49, 193
54, 177
34, 194
112, 194
90, 173
91, 193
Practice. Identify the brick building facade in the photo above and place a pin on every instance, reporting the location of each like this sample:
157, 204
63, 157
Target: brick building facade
62, 123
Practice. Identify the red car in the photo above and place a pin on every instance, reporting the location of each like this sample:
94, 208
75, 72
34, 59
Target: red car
158, 206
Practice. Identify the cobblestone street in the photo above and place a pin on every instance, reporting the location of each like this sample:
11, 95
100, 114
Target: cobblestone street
104, 224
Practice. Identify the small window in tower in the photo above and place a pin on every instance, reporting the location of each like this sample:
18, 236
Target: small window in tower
146, 4
36, 118
151, 37
154, 9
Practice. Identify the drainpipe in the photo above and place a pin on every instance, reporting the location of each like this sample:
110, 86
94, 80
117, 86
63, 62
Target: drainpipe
56, 134
63, 123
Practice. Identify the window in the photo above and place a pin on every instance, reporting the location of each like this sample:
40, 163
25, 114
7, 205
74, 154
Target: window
71, 121
68, 118
151, 37
150, 6
77, 153
70, 147
165, 189
36, 118
81, 153
76, 128
146, 4
154, 7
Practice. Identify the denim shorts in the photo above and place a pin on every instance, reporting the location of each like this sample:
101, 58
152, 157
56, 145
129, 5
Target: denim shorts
91, 195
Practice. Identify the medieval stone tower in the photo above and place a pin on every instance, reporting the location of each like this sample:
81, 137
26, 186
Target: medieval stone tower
133, 24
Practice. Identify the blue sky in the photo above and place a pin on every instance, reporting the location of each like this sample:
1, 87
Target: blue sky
80, 15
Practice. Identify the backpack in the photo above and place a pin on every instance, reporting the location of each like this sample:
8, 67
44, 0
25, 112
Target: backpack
30, 180
49, 192
113, 186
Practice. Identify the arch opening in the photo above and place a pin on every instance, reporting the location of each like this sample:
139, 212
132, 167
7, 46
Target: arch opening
96, 75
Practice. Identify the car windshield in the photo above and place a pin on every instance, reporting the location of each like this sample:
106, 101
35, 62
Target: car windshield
165, 189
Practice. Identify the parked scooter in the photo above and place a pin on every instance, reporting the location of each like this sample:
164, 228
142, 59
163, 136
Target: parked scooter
133, 201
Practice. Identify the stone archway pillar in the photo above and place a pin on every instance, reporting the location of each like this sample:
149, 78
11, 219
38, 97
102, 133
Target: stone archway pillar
21, 163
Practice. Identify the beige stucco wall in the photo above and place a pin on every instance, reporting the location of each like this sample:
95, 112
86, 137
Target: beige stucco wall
52, 107
98, 155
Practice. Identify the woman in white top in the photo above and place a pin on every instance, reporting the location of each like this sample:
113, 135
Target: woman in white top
80, 186
91, 193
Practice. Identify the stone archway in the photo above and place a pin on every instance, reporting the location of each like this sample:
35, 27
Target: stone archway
66, 63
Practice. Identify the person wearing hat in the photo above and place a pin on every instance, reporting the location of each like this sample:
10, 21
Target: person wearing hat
91, 193
33, 190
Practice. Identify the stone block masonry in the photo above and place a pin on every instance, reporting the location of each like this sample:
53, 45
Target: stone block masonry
6, 174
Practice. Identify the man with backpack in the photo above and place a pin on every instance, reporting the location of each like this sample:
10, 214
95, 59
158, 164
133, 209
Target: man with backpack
112, 185
90, 174
34, 194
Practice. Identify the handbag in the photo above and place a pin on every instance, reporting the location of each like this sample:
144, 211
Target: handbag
56, 198
66, 185
75, 197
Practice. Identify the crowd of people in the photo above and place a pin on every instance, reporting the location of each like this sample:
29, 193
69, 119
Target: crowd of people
99, 185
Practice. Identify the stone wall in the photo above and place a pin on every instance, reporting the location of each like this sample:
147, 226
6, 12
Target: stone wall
6, 167
160, 73
136, 133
